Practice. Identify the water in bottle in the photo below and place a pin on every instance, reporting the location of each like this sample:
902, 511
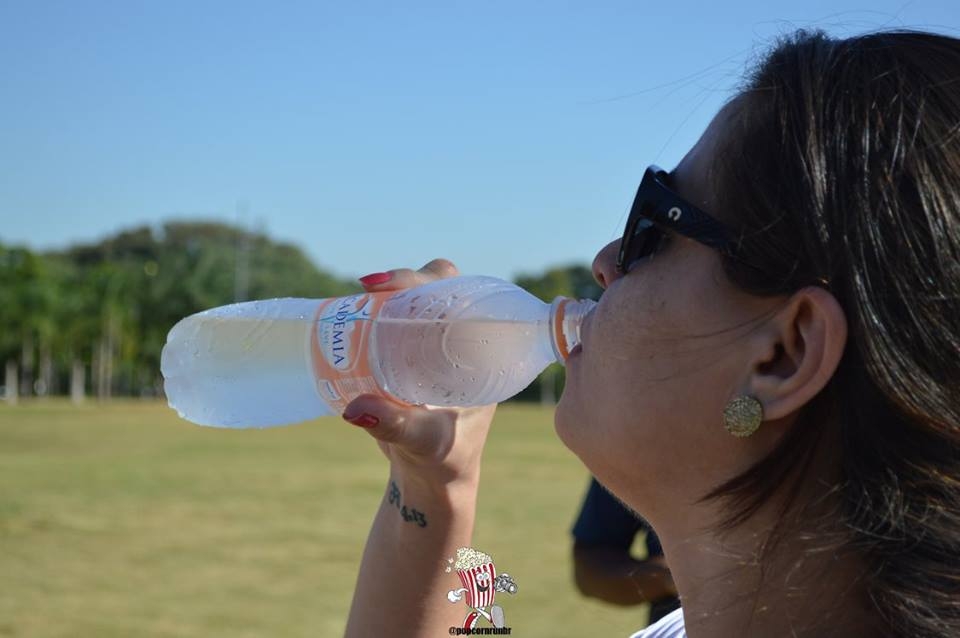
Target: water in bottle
460, 341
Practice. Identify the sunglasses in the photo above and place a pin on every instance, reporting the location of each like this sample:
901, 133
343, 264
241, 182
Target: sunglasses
658, 210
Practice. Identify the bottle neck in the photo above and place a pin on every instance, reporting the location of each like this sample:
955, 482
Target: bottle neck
566, 317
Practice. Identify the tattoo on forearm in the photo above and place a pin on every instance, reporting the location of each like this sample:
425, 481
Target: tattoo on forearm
409, 515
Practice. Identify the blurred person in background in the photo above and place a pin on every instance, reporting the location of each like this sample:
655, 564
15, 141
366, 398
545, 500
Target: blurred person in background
770, 377
603, 565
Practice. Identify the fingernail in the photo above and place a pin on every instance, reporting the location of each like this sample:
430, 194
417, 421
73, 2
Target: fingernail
376, 278
364, 420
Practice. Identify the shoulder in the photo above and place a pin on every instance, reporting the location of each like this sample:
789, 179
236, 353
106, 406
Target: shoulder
670, 626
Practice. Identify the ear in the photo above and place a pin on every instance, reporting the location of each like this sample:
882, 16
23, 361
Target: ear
801, 348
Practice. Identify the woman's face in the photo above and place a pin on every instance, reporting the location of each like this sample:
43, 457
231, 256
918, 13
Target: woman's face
661, 356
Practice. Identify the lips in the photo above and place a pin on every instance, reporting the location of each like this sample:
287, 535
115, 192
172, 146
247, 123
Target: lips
584, 329
482, 588
575, 350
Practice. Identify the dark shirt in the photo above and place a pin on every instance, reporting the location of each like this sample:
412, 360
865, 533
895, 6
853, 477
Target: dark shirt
604, 520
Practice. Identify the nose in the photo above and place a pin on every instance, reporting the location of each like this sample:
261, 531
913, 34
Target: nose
605, 264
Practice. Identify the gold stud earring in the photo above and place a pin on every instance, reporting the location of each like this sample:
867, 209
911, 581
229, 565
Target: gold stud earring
742, 416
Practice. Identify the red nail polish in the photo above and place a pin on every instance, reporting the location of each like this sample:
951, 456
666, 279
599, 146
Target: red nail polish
376, 278
364, 420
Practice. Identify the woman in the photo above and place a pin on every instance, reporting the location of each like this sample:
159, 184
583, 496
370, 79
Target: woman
772, 376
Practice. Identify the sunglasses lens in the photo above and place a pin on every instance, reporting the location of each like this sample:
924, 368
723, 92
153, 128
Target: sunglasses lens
642, 242
648, 236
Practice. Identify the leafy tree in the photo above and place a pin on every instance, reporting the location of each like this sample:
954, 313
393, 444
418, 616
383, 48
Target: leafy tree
113, 302
27, 298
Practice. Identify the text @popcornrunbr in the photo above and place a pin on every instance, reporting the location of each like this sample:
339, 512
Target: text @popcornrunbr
481, 631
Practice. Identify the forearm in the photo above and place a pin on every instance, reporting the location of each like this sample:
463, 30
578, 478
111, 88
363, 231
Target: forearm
614, 576
402, 587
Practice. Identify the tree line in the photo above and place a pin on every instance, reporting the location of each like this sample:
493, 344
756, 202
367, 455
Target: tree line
93, 318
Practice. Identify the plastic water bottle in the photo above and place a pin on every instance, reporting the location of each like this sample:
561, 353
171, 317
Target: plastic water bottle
461, 341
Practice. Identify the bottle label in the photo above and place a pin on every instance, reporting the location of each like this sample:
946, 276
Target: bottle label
340, 347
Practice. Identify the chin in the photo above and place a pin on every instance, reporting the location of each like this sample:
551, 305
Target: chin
580, 435
569, 423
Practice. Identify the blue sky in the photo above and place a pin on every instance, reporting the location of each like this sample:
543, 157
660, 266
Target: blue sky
508, 136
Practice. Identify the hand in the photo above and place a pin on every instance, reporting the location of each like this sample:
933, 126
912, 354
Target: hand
440, 445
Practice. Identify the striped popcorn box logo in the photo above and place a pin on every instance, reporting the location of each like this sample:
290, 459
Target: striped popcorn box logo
477, 574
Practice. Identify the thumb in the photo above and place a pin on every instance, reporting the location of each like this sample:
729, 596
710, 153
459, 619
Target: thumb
419, 430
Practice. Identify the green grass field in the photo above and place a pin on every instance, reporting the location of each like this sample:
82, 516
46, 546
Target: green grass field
123, 520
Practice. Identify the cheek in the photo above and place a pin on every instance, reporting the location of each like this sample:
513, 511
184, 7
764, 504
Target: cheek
642, 402
604, 383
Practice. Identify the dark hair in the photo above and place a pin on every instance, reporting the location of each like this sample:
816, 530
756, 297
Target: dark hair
841, 167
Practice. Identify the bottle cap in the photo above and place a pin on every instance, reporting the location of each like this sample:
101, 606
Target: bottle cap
566, 316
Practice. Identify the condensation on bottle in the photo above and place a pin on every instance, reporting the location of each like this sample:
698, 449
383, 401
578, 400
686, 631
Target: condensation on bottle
461, 341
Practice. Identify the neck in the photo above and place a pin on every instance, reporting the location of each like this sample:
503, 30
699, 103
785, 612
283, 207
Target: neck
748, 582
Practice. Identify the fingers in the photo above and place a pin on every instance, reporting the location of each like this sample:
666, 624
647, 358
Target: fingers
440, 268
420, 431
424, 437
406, 278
